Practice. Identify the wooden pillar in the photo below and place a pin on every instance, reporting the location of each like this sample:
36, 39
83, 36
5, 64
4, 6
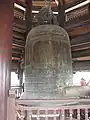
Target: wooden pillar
11, 108
20, 75
28, 16
89, 10
6, 20
61, 12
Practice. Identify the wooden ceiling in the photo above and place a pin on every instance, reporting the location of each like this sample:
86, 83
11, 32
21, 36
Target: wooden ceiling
77, 25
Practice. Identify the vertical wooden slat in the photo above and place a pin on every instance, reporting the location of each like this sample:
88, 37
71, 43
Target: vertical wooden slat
38, 114
86, 114
59, 114
78, 114
22, 114
28, 115
62, 114
55, 112
46, 113
71, 112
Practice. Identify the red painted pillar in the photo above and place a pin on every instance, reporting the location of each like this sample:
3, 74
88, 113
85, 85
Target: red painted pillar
6, 20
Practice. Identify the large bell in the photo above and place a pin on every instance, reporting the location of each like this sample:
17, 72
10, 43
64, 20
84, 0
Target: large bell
48, 63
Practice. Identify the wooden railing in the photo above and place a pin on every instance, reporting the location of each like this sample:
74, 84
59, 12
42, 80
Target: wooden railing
22, 110
58, 113
18, 90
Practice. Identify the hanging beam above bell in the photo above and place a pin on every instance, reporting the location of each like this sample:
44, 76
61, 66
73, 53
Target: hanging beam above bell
42, 3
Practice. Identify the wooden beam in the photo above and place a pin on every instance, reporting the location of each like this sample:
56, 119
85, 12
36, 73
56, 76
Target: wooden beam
17, 45
80, 47
19, 25
34, 3
15, 55
74, 25
81, 58
18, 30
18, 13
71, 3
79, 30
17, 35
81, 39
68, 3
81, 53
77, 13
42, 3
81, 65
21, 2
19, 42
15, 58
16, 51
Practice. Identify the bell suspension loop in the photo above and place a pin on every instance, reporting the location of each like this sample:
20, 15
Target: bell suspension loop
48, 3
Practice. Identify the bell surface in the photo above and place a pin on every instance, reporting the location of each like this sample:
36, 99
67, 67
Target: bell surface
48, 62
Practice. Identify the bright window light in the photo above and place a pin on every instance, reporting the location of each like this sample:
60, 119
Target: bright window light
14, 79
78, 75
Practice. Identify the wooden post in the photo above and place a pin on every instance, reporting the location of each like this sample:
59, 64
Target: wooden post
89, 11
61, 13
28, 16
6, 36
11, 108
20, 75
62, 114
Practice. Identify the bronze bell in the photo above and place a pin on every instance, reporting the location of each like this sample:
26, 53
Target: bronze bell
48, 63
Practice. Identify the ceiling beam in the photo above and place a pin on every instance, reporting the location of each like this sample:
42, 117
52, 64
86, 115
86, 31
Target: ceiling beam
43, 3
81, 58
17, 45
79, 30
15, 58
81, 65
81, 53
70, 26
81, 47
80, 39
